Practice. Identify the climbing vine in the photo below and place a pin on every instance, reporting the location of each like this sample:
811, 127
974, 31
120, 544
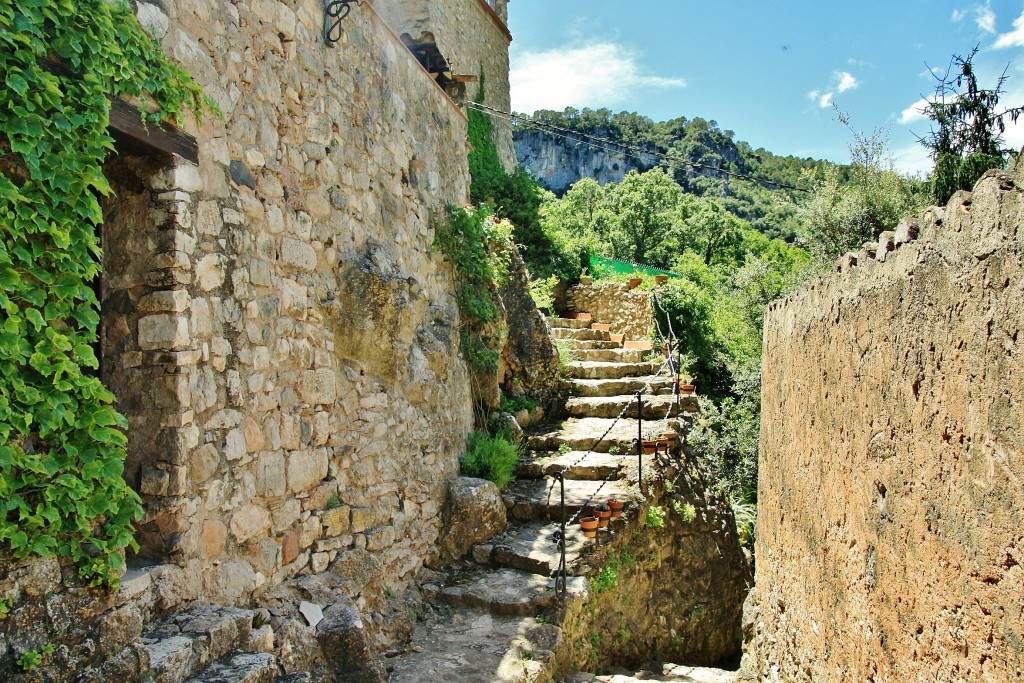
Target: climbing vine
62, 444
477, 243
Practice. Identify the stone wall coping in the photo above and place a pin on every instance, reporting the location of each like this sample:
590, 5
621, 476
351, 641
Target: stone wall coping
906, 232
398, 41
496, 19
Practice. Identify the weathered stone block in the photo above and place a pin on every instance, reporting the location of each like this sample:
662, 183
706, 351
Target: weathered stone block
214, 538
306, 469
473, 514
297, 254
271, 478
248, 522
347, 646
163, 332
336, 521
205, 461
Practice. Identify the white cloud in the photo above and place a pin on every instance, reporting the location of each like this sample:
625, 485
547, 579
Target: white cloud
1014, 38
846, 81
842, 81
913, 160
914, 112
594, 75
985, 18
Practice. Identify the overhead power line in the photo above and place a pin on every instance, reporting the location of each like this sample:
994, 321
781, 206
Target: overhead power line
621, 147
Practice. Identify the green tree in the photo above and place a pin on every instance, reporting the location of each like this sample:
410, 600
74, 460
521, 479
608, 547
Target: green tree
646, 208
967, 137
849, 207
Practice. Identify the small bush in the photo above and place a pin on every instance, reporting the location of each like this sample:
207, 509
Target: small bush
565, 357
686, 511
491, 457
655, 516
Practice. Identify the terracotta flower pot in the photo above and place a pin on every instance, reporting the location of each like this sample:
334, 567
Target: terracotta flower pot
650, 447
602, 518
669, 436
659, 279
687, 390
616, 505
589, 526
634, 282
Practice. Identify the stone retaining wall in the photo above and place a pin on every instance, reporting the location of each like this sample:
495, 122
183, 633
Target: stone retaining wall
628, 311
277, 327
890, 536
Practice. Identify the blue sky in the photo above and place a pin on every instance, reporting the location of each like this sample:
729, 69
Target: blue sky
770, 71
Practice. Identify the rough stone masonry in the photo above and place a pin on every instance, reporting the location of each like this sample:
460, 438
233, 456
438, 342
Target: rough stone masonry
891, 511
277, 328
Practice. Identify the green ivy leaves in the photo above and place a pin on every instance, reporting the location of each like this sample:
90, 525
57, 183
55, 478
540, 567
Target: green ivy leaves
476, 243
62, 444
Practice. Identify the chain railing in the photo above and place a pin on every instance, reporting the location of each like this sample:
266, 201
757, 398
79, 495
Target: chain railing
671, 345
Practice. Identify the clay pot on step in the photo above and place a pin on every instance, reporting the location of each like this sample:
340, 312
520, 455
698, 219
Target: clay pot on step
669, 436
589, 526
634, 282
604, 514
650, 447
686, 389
660, 279
616, 506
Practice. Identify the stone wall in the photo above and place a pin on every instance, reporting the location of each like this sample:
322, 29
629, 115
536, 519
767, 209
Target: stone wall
890, 542
679, 589
276, 325
628, 311
473, 36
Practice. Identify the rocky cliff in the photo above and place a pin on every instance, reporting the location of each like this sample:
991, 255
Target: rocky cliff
890, 543
559, 162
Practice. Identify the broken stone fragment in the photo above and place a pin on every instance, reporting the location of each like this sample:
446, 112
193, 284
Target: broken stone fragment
473, 514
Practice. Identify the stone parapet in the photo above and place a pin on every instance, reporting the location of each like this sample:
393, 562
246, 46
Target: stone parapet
890, 507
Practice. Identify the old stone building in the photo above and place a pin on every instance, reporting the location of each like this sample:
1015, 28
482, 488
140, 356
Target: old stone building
276, 326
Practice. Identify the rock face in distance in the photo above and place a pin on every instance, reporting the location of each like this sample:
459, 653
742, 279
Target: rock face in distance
474, 513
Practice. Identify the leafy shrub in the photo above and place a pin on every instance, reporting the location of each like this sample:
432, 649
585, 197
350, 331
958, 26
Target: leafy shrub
565, 357
542, 293
655, 516
686, 511
491, 457
477, 243
513, 405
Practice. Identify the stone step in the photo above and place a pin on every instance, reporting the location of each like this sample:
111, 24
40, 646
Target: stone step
569, 323
604, 327
602, 370
531, 548
470, 646
584, 344
511, 592
593, 467
655, 407
621, 386
660, 673
610, 355
240, 667
583, 335
582, 434
184, 643
642, 344
540, 499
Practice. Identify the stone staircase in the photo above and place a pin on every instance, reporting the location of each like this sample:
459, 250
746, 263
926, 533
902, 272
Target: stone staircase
499, 615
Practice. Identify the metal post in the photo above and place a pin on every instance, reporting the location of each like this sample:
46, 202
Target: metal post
561, 578
640, 439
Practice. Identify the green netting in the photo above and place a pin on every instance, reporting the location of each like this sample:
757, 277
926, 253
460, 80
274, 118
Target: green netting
601, 266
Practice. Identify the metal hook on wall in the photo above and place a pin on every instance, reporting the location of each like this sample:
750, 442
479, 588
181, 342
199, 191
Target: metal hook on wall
334, 12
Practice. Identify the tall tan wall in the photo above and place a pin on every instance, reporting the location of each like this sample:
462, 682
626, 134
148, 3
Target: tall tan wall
283, 338
474, 38
891, 508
